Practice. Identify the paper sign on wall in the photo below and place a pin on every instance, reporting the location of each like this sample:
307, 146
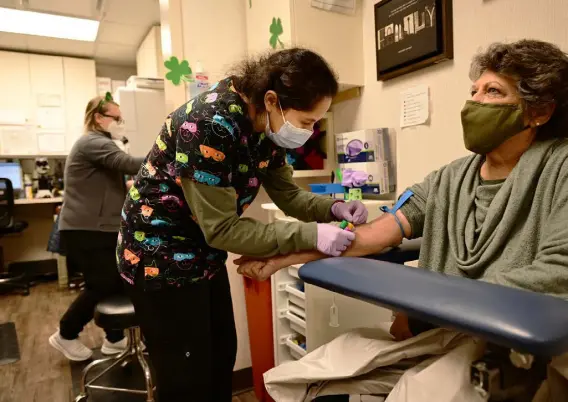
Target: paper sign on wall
414, 106
338, 6
18, 141
51, 143
51, 118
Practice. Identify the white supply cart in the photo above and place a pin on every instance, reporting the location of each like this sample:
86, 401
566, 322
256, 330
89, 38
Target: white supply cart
305, 317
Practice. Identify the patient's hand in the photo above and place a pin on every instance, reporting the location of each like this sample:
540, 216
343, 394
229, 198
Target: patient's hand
399, 328
259, 270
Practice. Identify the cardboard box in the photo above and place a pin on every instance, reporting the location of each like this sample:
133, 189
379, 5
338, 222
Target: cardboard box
370, 151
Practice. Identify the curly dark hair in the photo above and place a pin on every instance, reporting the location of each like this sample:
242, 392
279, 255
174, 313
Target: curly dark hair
300, 77
541, 72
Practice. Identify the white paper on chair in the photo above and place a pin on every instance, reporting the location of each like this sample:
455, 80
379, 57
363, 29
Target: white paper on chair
51, 118
51, 143
338, 6
18, 141
414, 106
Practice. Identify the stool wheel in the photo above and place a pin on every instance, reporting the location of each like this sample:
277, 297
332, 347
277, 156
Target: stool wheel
81, 398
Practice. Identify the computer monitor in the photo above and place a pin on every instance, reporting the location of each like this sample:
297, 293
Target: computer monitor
12, 171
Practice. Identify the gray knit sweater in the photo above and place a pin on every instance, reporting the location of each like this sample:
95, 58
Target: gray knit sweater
523, 239
94, 184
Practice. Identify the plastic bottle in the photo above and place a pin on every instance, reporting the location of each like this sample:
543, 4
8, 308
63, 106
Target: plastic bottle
28, 191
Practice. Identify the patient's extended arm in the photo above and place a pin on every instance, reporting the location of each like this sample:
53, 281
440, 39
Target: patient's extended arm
371, 238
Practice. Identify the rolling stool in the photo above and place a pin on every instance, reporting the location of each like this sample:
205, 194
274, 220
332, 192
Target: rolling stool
117, 312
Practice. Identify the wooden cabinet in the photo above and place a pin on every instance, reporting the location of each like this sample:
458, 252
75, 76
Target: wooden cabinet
337, 37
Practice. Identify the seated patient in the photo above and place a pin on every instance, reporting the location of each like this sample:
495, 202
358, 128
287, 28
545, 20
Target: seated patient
501, 214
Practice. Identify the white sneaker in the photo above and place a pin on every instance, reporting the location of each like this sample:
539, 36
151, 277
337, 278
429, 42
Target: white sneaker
112, 348
71, 349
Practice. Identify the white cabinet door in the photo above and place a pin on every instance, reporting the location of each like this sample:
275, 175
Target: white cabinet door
325, 324
15, 83
150, 116
46, 74
80, 88
47, 101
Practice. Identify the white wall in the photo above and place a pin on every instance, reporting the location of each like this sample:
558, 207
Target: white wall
114, 72
214, 33
149, 59
477, 23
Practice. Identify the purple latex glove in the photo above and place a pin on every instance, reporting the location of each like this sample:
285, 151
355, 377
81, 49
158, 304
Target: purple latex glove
354, 178
354, 212
333, 240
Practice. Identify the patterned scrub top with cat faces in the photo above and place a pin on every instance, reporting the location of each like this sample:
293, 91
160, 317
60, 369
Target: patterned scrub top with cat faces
211, 141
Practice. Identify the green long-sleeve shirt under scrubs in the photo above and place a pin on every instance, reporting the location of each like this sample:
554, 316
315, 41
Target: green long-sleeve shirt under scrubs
183, 213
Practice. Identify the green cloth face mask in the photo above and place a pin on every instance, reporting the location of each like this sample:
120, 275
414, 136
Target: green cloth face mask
488, 125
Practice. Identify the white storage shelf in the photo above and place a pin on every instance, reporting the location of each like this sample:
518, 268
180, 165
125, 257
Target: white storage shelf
330, 163
296, 351
290, 316
293, 270
306, 314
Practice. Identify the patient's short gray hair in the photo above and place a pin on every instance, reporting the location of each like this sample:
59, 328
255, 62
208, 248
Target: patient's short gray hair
541, 72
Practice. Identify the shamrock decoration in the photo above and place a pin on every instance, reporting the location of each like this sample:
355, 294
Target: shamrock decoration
275, 31
178, 71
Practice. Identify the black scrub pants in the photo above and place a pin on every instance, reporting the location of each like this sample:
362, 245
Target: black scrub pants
190, 337
94, 254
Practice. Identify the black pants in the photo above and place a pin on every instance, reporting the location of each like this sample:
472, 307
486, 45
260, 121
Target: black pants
93, 253
191, 339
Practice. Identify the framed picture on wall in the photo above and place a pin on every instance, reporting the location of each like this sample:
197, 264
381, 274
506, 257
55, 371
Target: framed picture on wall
412, 34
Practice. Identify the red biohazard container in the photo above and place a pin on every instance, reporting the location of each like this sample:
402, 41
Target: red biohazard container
258, 296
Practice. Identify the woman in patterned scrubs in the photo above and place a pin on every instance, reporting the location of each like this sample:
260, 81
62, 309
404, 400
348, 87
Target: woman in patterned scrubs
183, 214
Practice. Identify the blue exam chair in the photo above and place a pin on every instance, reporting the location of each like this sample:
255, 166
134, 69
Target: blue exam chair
532, 324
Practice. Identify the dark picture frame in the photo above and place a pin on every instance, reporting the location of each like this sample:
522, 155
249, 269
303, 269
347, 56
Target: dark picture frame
411, 35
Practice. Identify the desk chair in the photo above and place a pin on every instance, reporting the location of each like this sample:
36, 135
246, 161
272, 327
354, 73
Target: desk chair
8, 225
531, 324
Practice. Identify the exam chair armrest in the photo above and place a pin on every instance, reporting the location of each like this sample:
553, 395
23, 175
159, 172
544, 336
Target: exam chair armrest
525, 321
409, 250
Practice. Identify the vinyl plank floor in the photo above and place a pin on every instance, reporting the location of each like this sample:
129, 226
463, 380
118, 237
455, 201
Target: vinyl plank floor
42, 374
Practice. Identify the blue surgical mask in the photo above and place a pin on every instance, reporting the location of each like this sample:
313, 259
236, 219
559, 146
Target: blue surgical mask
289, 136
